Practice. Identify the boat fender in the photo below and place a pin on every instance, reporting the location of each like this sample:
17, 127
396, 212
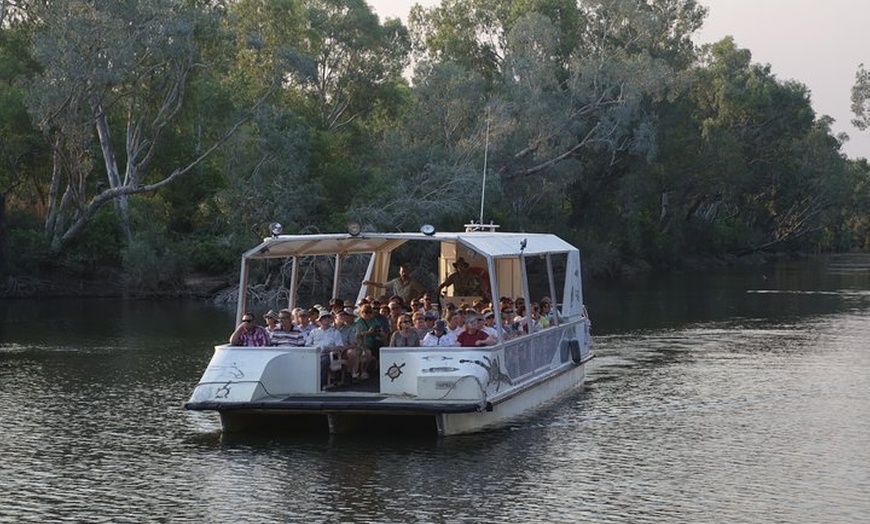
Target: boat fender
574, 351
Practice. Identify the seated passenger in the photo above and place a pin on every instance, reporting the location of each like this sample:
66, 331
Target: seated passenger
527, 323
327, 339
335, 305
404, 334
248, 333
344, 325
395, 312
382, 315
472, 336
455, 322
370, 337
415, 305
426, 302
552, 313
303, 321
419, 322
439, 336
505, 302
430, 317
479, 305
544, 316
488, 321
449, 307
287, 334
272, 321
510, 328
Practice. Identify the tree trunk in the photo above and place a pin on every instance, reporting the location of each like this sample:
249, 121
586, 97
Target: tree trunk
121, 204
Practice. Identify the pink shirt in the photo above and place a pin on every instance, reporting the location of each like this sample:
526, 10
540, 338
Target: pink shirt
258, 337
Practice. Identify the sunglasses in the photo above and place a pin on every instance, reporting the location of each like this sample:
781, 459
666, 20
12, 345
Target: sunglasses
247, 320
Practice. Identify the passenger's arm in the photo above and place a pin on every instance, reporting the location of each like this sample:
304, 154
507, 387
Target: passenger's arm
236, 337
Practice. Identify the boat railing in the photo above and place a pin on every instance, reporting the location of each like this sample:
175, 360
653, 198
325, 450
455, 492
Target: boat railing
510, 362
287, 370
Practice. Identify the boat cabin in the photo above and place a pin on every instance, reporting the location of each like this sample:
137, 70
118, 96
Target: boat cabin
460, 389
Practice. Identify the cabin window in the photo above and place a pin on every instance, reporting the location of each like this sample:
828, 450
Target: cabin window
543, 272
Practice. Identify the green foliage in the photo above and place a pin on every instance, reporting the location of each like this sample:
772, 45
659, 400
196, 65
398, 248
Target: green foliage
596, 120
861, 98
29, 250
101, 245
214, 256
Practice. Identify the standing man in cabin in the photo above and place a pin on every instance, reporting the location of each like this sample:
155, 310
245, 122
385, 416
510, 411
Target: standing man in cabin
403, 285
465, 282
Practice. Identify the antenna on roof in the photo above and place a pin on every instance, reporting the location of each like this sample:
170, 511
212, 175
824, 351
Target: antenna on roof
485, 158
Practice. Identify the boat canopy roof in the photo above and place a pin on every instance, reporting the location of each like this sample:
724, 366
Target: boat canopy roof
489, 244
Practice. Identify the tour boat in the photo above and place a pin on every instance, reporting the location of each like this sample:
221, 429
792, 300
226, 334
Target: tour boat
449, 390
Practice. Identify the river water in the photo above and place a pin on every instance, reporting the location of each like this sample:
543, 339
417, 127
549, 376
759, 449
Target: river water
727, 396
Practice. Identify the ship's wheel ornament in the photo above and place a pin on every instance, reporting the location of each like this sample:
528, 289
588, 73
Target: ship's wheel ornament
395, 371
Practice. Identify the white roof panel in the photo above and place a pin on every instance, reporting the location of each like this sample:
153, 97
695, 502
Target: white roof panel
486, 243
508, 244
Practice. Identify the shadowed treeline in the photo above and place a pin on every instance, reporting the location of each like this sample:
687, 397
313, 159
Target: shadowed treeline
150, 141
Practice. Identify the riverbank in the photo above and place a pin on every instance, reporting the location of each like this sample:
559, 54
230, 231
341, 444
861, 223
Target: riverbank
113, 284
109, 286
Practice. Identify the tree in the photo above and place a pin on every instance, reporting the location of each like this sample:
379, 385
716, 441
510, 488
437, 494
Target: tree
566, 83
433, 159
762, 166
111, 65
23, 152
861, 98
341, 90
467, 32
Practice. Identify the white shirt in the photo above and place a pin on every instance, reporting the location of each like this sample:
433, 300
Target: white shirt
325, 338
432, 340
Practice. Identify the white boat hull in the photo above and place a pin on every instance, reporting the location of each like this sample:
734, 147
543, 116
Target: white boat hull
519, 405
453, 390
456, 390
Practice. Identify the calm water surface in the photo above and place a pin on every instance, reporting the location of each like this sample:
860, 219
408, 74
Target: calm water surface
739, 396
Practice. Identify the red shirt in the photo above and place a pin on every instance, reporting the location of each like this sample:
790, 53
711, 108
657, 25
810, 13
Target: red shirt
468, 340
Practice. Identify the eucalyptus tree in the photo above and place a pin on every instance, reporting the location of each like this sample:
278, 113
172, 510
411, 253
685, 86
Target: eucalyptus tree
23, 152
572, 85
772, 168
107, 66
467, 32
342, 86
433, 159
12, 11
861, 98
355, 57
